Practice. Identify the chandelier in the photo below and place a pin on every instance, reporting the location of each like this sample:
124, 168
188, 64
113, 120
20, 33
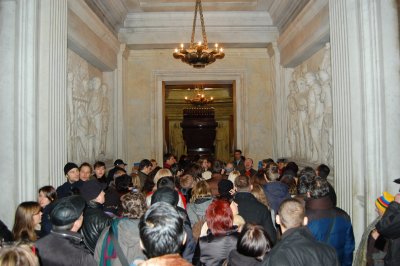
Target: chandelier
198, 55
199, 98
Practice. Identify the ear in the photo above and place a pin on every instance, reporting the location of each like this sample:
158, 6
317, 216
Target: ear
305, 221
251, 187
141, 245
184, 238
278, 219
308, 194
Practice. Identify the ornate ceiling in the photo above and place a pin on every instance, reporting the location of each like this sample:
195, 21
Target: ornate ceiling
163, 23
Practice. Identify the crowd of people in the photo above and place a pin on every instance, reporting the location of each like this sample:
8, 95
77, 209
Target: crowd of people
196, 211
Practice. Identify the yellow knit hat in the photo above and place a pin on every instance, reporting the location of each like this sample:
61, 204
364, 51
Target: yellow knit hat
383, 201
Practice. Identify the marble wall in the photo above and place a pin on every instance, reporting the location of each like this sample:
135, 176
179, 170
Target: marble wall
147, 70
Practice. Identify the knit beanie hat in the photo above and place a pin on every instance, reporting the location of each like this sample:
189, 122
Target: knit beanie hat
69, 166
383, 201
224, 188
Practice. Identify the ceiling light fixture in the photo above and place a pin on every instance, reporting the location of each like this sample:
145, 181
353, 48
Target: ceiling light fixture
199, 98
198, 55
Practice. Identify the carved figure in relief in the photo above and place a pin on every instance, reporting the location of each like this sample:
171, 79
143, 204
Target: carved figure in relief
95, 96
293, 123
315, 113
302, 109
105, 115
327, 124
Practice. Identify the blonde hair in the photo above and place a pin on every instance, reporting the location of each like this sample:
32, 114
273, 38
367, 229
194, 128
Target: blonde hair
161, 173
232, 176
20, 255
200, 190
24, 229
259, 194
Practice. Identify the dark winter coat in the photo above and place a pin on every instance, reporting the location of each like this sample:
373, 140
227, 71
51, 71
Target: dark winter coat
68, 189
63, 248
215, 249
255, 212
237, 259
331, 225
298, 247
94, 222
276, 192
389, 227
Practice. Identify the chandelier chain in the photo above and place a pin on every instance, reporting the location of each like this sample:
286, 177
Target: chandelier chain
199, 8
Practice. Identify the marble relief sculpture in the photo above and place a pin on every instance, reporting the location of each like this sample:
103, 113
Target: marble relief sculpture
310, 118
88, 112
178, 147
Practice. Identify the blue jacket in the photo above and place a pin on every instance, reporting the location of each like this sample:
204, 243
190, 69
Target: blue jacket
276, 192
331, 225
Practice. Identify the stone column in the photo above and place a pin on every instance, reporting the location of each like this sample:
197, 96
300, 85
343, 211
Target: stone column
52, 92
365, 60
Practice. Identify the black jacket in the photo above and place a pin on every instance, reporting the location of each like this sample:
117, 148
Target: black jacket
255, 212
215, 249
94, 221
62, 248
237, 259
68, 189
298, 247
389, 227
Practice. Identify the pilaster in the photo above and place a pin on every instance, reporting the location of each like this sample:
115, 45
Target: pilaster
52, 92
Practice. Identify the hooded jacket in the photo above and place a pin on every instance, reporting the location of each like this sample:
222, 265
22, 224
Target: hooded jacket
197, 210
276, 192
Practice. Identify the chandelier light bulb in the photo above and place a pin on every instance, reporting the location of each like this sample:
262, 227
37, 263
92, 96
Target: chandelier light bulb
176, 50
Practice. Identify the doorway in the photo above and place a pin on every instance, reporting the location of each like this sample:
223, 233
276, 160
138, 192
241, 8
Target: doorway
223, 104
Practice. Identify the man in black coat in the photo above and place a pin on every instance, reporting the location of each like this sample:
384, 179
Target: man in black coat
64, 246
298, 246
251, 209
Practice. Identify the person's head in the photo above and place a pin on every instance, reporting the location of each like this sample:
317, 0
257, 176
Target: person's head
290, 181
85, 171
219, 217
195, 170
304, 183
291, 167
281, 163
259, 194
19, 255
217, 167
203, 162
133, 205
319, 188
67, 213
154, 163
243, 184
92, 190
291, 214
383, 202
229, 168
272, 172
186, 181
123, 183
99, 169
237, 155
145, 166
308, 170
46, 195
161, 230
323, 171
165, 194
265, 162
253, 242
169, 159
27, 216
120, 163
232, 176
248, 163
161, 173
225, 188
71, 172
200, 190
